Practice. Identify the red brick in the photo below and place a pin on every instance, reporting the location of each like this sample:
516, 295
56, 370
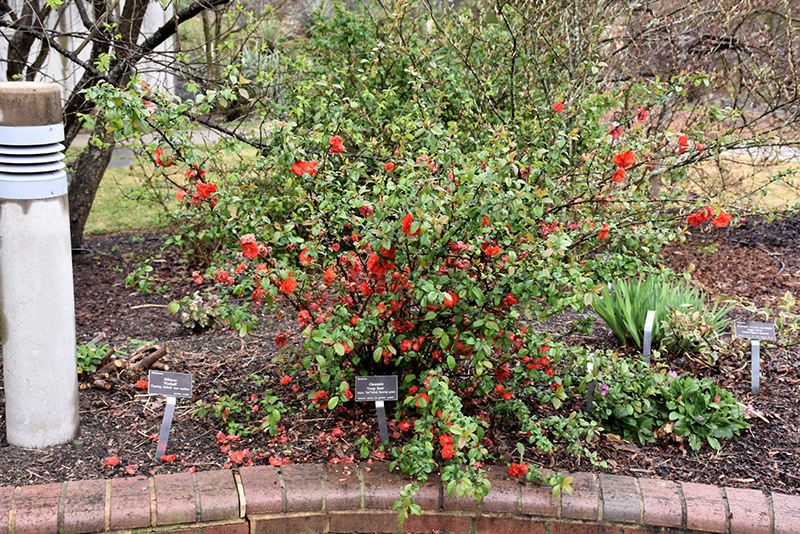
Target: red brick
561, 527
342, 487
289, 524
234, 528
363, 522
6, 500
622, 502
749, 513
85, 506
175, 499
437, 522
705, 509
219, 500
786, 510
262, 489
381, 488
662, 503
37, 509
583, 502
643, 530
303, 486
508, 525
130, 503
429, 495
503, 498
537, 499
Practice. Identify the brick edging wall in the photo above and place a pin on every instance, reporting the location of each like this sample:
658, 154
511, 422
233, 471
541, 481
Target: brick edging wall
346, 499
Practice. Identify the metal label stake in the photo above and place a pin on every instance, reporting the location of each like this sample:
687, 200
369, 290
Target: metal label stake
382, 421
755, 364
166, 424
648, 334
590, 389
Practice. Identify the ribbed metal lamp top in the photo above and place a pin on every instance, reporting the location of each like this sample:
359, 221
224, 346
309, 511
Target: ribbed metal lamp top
29, 104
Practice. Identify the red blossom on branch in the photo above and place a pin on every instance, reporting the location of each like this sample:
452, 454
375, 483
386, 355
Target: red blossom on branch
624, 159
337, 146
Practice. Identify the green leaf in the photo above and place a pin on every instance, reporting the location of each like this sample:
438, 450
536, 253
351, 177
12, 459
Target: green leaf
333, 402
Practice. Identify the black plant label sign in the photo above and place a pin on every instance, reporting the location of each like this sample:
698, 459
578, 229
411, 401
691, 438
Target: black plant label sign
169, 384
751, 330
376, 388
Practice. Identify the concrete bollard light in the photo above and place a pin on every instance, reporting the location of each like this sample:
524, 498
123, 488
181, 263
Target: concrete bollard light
37, 302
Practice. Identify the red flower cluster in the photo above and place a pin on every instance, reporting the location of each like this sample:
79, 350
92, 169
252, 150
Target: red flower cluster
301, 167
720, 221
447, 446
517, 470
642, 115
281, 340
337, 146
389, 167
683, 142
604, 232
558, 107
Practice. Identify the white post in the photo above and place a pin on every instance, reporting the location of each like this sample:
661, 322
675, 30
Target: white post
37, 305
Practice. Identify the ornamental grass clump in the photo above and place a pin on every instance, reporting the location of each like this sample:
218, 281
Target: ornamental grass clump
624, 309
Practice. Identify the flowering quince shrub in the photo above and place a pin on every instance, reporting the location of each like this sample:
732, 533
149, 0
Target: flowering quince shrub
417, 218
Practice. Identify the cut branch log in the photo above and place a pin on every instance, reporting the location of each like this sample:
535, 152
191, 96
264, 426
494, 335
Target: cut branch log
149, 360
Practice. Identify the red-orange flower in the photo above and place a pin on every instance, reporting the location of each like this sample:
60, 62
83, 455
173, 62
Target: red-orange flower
285, 380
249, 245
407, 226
722, 219
624, 159
288, 286
558, 107
642, 115
336, 144
237, 457
141, 384
451, 299
205, 189
305, 259
389, 167
112, 460
604, 232
301, 167
619, 175
168, 458
163, 163
281, 340
490, 249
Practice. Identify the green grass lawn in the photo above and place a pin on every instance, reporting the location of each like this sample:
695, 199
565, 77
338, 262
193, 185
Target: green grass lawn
123, 202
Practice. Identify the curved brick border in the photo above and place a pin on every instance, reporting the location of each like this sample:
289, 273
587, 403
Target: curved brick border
345, 499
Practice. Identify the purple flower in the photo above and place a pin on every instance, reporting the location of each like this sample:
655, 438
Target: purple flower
604, 389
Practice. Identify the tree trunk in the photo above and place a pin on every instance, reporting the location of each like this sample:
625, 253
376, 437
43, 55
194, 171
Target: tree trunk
87, 174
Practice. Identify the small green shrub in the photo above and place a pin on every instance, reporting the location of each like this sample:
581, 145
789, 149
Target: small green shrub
633, 401
89, 357
241, 417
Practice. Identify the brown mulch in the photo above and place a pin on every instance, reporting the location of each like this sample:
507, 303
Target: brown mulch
755, 262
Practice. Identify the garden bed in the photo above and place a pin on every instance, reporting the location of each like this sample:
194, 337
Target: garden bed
758, 263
